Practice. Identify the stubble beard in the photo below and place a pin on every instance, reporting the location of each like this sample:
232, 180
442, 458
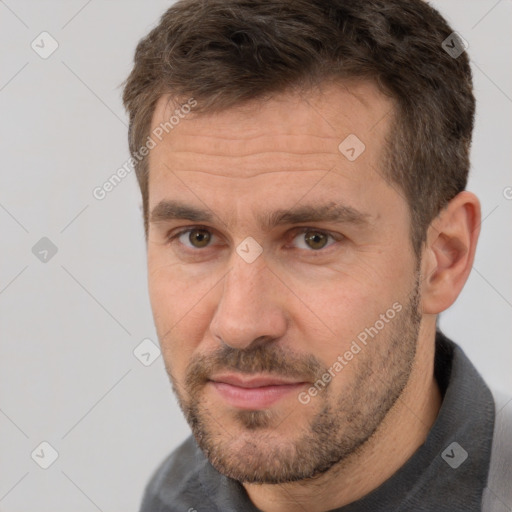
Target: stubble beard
259, 448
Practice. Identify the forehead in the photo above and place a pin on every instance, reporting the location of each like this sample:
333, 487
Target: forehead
321, 118
272, 148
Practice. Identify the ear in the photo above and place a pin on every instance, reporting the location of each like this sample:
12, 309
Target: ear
449, 252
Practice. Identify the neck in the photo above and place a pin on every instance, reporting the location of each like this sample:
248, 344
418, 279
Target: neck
402, 432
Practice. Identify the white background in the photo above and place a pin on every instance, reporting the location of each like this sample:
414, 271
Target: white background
68, 375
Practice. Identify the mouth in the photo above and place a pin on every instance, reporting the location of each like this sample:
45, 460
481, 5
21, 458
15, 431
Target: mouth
253, 393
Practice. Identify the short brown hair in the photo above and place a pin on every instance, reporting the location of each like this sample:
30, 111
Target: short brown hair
227, 52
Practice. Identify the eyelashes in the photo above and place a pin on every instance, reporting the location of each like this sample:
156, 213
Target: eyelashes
206, 236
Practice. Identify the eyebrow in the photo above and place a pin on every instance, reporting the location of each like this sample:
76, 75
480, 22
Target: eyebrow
167, 210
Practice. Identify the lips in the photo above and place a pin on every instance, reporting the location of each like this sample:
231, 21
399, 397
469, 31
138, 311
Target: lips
252, 393
253, 382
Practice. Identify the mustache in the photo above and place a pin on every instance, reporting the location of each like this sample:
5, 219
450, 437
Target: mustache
268, 359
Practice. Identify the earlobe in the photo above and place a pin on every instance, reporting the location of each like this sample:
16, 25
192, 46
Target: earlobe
450, 251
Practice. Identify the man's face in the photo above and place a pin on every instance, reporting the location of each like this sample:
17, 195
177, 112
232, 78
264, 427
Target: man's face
284, 361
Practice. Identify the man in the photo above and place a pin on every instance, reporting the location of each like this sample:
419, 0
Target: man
303, 168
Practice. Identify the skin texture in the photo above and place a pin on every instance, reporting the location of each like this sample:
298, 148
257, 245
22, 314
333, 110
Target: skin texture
307, 296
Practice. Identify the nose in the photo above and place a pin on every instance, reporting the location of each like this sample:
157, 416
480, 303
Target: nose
250, 309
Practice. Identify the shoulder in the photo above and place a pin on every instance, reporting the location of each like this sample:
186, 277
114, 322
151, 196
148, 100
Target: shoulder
175, 485
502, 438
498, 491
503, 412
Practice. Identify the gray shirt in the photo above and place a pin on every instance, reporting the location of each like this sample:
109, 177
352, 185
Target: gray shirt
433, 479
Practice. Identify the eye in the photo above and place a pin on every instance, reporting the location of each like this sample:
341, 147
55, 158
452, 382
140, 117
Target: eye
309, 239
194, 238
314, 239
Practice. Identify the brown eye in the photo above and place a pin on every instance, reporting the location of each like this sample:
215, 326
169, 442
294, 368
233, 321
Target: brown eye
199, 237
315, 239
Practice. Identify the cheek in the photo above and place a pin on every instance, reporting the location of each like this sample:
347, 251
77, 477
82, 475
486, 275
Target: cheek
332, 313
334, 318
171, 290
178, 301
175, 335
